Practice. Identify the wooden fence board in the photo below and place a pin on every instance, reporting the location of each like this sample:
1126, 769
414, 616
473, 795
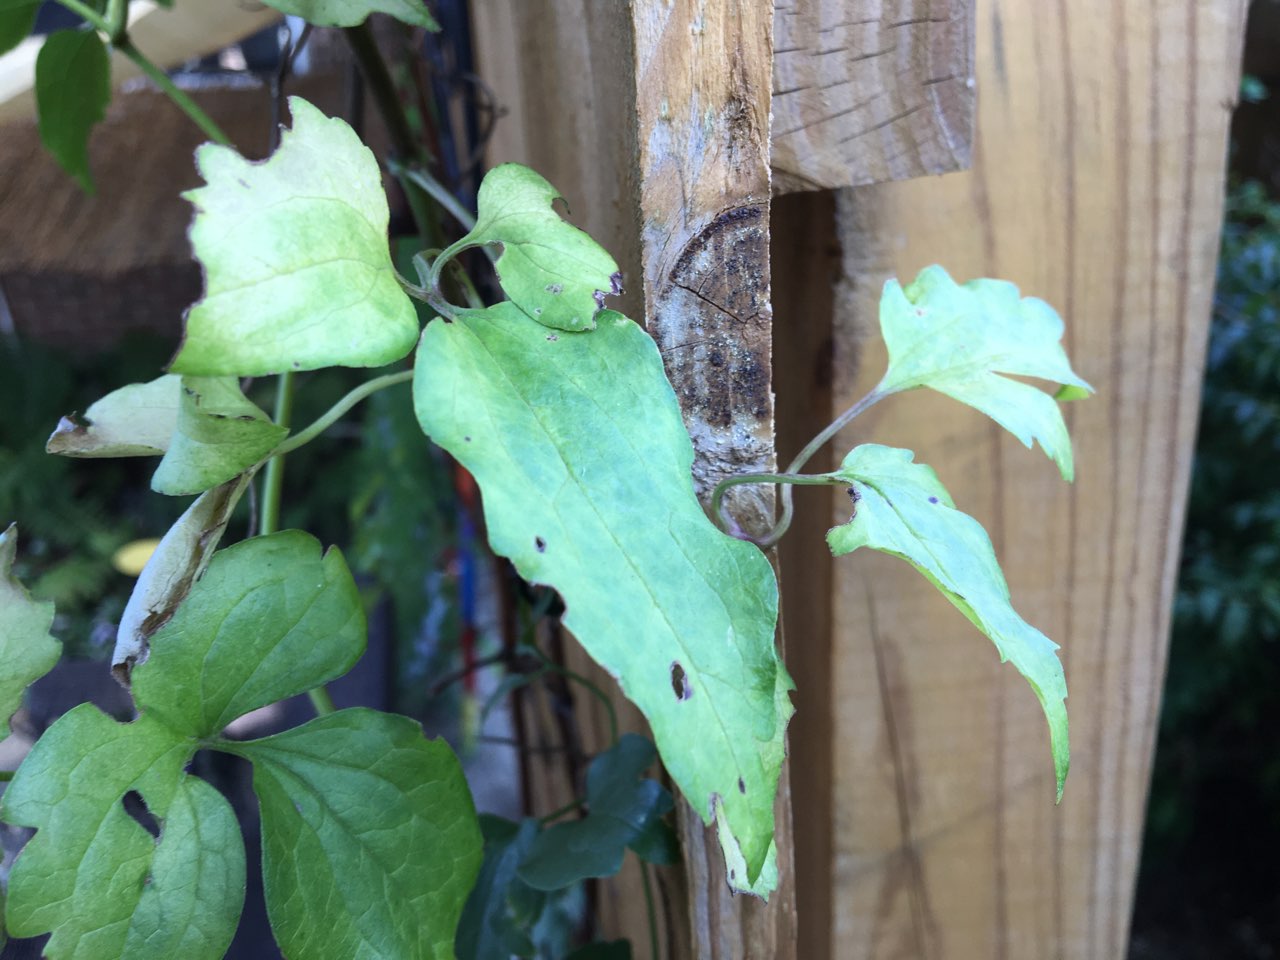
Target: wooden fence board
1097, 184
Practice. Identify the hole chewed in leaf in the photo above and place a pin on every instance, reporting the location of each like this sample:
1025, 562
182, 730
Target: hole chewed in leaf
540, 544
137, 810
742, 787
680, 684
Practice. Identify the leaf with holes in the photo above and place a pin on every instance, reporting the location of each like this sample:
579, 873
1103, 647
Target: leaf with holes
137, 420
298, 271
73, 88
584, 464
349, 13
370, 842
621, 805
92, 874
959, 339
901, 508
300, 607
550, 269
27, 650
220, 434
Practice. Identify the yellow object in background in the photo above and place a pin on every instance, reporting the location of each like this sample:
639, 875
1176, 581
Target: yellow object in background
133, 556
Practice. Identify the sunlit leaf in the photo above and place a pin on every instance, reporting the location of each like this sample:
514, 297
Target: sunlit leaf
901, 508
92, 874
270, 618
621, 805
550, 269
219, 435
348, 13
27, 650
370, 842
959, 339
73, 88
584, 464
137, 420
298, 271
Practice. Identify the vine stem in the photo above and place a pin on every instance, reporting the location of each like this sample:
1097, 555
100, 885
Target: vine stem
180, 99
650, 909
560, 812
273, 483
791, 477
88, 15
436, 190
337, 411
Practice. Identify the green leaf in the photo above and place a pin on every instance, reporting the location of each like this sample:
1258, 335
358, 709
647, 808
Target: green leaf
17, 17
489, 928
902, 509
620, 808
550, 269
92, 874
370, 842
578, 447
220, 434
298, 272
958, 339
270, 618
73, 88
137, 420
27, 649
348, 13
176, 564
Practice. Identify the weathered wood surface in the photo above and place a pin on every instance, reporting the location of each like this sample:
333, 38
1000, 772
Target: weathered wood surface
868, 91
1097, 183
653, 117
187, 30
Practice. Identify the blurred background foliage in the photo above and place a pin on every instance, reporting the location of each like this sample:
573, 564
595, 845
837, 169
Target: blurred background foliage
1210, 880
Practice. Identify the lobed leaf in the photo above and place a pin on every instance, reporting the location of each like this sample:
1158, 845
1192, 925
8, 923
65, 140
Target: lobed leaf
298, 272
370, 842
92, 874
959, 339
220, 434
349, 13
901, 508
270, 618
138, 420
27, 649
550, 269
584, 464
621, 807
73, 88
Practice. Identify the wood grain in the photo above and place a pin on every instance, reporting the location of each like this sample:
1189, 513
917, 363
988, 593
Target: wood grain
1097, 184
870, 90
653, 117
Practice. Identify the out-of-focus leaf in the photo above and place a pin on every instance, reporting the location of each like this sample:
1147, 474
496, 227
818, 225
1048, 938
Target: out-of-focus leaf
73, 88
349, 13
17, 17
489, 928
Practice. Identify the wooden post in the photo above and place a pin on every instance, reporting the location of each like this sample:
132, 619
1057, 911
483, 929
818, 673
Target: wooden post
1096, 185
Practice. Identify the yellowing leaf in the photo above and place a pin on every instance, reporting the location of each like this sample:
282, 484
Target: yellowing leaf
550, 269
298, 271
579, 449
137, 420
902, 509
959, 339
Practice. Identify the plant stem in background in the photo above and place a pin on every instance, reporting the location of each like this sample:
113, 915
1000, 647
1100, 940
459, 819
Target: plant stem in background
650, 910
184, 102
381, 87
273, 483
